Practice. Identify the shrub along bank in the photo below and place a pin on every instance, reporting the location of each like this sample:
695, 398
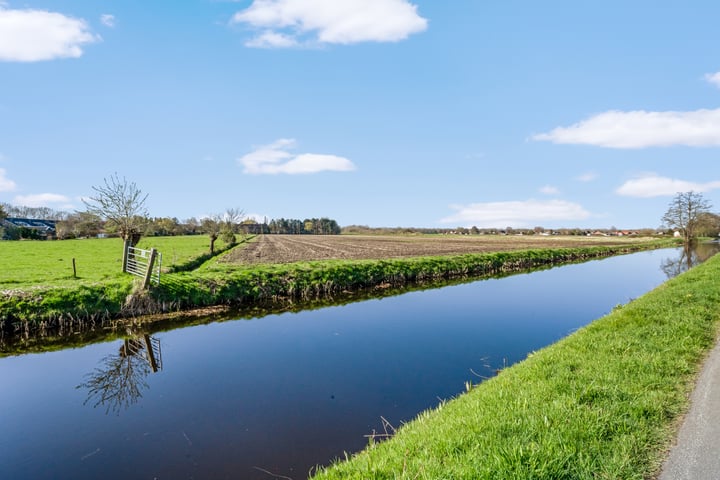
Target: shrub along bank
602, 403
220, 284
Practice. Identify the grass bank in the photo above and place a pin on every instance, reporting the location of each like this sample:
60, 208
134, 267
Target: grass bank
261, 284
602, 403
222, 284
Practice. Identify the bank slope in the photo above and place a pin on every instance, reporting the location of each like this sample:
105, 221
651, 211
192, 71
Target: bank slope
602, 403
267, 284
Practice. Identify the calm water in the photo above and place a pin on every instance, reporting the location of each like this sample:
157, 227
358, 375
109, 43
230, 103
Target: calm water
281, 394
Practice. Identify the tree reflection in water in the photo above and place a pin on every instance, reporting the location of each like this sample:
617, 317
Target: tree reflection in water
120, 380
690, 256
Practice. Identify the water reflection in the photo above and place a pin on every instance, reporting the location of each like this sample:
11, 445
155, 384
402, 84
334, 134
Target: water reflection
690, 256
120, 380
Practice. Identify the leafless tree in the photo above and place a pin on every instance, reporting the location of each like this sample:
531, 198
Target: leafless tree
211, 227
684, 212
223, 226
122, 204
121, 379
231, 224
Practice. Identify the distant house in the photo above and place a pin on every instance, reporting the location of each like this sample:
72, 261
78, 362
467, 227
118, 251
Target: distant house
44, 228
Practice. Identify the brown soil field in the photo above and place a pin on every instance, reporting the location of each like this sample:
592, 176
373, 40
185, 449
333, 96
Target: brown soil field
266, 249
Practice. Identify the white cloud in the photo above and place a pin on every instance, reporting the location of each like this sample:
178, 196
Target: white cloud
287, 23
713, 78
272, 40
653, 185
515, 214
107, 20
35, 35
586, 177
549, 190
277, 158
641, 129
6, 185
44, 200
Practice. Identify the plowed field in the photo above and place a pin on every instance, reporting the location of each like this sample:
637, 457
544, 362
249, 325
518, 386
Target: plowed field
297, 248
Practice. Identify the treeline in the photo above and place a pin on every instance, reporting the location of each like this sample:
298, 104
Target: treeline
85, 225
309, 226
37, 213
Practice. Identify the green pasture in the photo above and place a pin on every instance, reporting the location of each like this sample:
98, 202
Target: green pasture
50, 263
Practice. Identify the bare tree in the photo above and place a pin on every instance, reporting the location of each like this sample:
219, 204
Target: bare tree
684, 212
230, 225
211, 227
122, 204
223, 226
119, 383
233, 216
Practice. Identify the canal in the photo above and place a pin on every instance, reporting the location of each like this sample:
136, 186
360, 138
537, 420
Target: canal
276, 396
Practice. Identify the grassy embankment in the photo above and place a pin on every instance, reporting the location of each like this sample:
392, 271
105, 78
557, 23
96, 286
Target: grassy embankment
102, 293
230, 284
601, 403
37, 281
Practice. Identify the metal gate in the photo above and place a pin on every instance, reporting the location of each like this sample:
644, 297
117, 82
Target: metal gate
145, 264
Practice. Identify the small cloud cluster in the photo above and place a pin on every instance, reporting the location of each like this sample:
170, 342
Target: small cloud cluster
653, 185
6, 185
290, 23
44, 200
35, 35
515, 213
276, 158
713, 78
549, 190
107, 20
587, 177
641, 129
34, 200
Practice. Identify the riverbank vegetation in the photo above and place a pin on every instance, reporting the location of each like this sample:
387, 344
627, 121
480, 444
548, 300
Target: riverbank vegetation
69, 301
604, 402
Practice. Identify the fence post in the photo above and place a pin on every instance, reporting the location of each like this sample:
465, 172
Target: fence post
151, 264
150, 353
126, 250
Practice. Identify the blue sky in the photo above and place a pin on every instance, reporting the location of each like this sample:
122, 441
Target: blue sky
376, 112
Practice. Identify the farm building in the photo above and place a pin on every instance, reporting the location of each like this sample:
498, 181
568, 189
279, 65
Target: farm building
44, 228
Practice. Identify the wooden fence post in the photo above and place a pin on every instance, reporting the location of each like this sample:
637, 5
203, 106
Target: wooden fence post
151, 264
126, 251
150, 353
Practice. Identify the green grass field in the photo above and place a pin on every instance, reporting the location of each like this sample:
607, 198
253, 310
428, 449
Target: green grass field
49, 263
